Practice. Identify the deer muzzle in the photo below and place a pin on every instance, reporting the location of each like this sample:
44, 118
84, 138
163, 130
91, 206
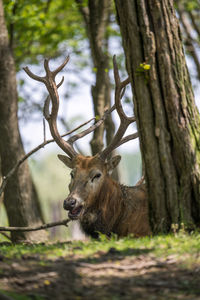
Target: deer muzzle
73, 206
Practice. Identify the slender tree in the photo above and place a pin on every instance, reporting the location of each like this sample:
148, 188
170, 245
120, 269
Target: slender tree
96, 16
167, 118
20, 197
189, 17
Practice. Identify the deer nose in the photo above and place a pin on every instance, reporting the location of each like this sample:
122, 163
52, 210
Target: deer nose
69, 203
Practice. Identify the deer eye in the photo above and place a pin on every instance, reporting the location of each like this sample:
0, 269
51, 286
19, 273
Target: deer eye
96, 176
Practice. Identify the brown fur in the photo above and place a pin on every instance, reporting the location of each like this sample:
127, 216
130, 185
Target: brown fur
108, 206
123, 210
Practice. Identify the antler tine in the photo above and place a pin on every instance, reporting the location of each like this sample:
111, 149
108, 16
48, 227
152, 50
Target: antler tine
33, 76
61, 82
49, 81
125, 121
119, 92
56, 71
47, 102
67, 146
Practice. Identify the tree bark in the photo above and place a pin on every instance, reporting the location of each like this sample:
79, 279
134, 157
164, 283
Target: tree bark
20, 197
167, 118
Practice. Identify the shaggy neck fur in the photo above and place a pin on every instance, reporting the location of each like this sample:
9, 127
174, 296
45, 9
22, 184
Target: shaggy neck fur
109, 203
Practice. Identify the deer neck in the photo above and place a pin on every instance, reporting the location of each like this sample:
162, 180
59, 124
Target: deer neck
109, 201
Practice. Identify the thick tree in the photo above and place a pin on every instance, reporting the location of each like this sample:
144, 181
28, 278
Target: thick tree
20, 197
167, 118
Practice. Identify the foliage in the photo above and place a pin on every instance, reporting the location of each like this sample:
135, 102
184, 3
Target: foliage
189, 5
39, 27
143, 69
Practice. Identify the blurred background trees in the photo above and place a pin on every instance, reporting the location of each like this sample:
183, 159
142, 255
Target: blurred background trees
20, 196
188, 13
89, 32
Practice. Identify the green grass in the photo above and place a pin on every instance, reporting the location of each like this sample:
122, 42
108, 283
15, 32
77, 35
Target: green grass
181, 244
182, 248
17, 296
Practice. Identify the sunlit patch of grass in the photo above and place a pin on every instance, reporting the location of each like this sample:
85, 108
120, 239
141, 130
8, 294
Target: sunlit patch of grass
20, 250
158, 245
182, 245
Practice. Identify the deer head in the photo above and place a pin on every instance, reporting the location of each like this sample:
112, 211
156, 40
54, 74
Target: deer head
87, 177
88, 173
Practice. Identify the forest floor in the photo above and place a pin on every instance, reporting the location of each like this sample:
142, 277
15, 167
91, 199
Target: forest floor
162, 267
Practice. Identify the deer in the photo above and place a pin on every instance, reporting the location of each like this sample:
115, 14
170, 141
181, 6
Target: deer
101, 204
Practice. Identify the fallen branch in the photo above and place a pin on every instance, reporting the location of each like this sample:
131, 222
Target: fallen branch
43, 226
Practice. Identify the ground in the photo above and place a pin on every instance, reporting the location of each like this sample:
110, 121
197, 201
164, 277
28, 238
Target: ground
161, 268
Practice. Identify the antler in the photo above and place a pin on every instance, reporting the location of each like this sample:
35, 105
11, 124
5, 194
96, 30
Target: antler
67, 146
49, 81
125, 121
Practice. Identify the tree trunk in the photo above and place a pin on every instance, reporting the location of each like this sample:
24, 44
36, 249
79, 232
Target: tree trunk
20, 197
167, 118
96, 18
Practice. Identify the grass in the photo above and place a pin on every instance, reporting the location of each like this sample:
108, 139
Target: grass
181, 244
40, 258
15, 296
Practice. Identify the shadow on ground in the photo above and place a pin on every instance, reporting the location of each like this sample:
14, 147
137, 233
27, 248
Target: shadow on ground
129, 274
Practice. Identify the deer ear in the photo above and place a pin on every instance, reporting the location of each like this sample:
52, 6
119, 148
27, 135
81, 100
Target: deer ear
66, 160
112, 163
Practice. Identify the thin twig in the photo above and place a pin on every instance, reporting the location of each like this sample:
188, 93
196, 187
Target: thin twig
92, 127
17, 165
41, 227
6, 235
66, 125
44, 130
